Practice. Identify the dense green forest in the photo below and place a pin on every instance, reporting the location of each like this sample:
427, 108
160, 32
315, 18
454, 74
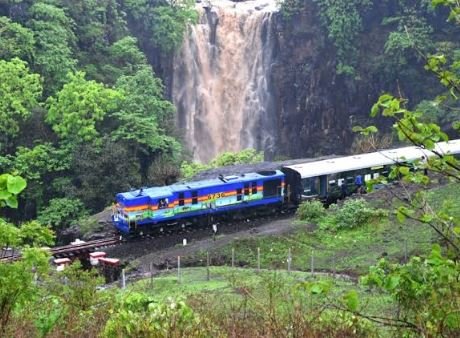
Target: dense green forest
82, 112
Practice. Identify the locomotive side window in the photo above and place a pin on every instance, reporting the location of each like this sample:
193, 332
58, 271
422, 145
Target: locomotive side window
181, 199
254, 187
271, 188
246, 189
194, 197
238, 194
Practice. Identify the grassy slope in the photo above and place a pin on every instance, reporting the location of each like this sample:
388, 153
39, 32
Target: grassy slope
234, 292
351, 251
227, 287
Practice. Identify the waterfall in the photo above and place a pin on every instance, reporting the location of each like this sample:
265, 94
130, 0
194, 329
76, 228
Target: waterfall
221, 83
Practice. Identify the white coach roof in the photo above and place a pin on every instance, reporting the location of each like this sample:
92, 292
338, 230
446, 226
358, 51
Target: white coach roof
369, 160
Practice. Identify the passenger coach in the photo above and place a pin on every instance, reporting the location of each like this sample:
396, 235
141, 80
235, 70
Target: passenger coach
325, 179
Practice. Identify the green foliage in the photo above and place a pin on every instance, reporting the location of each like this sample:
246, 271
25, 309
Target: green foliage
67, 299
425, 289
125, 58
10, 187
343, 20
53, 41
19, 93
62, 212
78, 107
15, 40
144, 113
98, 177
454, 8
190, 169
411, 37
170, 23
17, 283
355, 213
139, 315
290, 8
244, 156
35, 163
310, 211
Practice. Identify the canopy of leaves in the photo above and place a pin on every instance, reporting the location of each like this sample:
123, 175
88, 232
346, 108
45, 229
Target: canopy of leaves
77, 108
426, 290
62, 212
144, 112
19, 93
53, 44
15, 40
170, 23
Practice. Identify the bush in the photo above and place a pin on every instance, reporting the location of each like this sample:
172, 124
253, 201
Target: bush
355, 213
311, 211
61, 212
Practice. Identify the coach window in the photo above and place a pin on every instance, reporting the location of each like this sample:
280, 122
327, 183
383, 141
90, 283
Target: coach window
246, 189
238, 194
310, 186
194, 197
181, 199
254, 188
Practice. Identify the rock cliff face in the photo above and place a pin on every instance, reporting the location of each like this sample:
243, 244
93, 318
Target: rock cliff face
311, 109
315, 108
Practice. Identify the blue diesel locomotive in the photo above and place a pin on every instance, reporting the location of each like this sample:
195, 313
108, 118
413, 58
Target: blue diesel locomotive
162, 205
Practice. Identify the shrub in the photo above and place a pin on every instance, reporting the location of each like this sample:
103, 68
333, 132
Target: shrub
61, 212
355, 213
311, 211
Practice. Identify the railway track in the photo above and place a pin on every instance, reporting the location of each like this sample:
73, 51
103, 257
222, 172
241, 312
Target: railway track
71, 250
168, 236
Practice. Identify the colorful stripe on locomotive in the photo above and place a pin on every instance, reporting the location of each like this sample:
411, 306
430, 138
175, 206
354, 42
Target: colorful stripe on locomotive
154, 206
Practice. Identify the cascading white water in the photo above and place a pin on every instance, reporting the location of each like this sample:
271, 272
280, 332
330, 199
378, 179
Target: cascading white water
221, 83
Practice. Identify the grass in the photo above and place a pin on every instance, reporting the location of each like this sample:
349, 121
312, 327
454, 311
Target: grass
227, 285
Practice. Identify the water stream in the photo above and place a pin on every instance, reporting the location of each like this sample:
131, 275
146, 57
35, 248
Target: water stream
221, 83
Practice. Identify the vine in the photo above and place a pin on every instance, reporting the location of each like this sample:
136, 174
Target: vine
343, 21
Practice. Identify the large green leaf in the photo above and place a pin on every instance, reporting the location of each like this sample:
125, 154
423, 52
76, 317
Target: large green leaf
16, 184
4, 194
12, 202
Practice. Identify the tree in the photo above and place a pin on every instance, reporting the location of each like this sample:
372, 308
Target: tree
123, 58
19, 94
170, 23
144, 114
101, 171
54, 39
61, 212
15, 40
78, 107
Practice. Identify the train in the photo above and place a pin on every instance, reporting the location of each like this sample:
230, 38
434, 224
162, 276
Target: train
282, 186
